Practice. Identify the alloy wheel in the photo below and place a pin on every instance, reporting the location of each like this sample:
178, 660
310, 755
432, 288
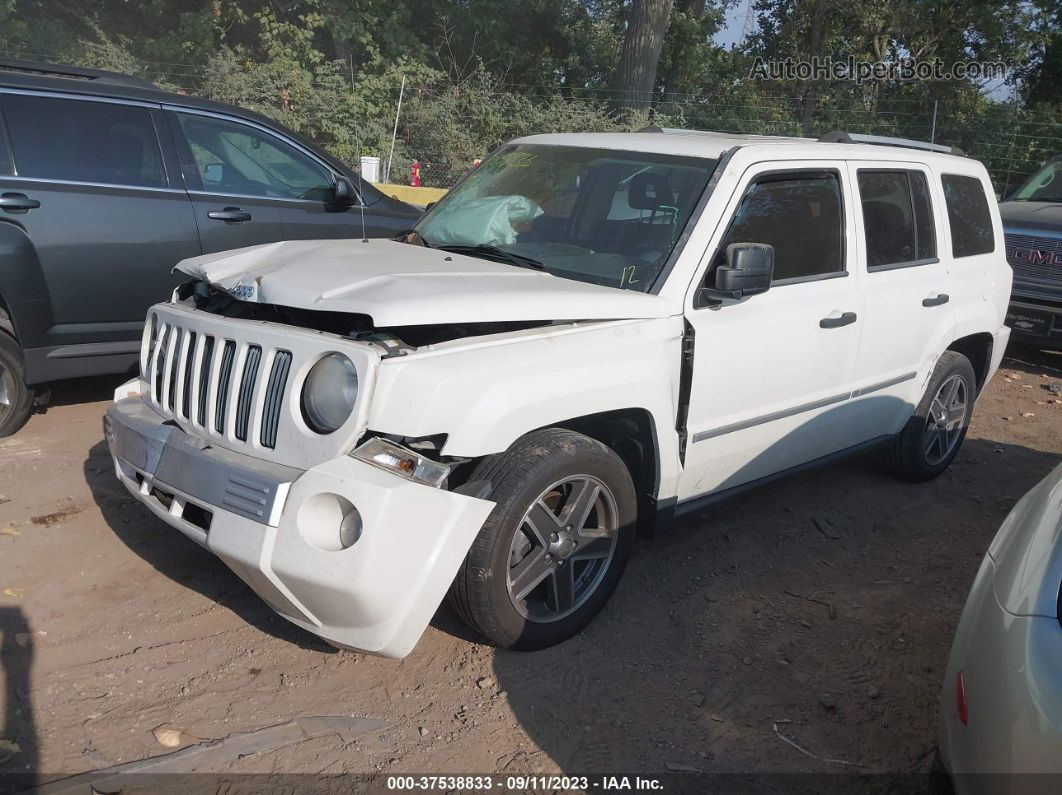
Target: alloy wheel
945, 420
562, 548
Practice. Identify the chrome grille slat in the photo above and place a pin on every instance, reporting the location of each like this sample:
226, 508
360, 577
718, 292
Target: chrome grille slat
274, 398
252, 358
158, 363
1050, 271
184, 376
169, 371
224, 379
203, 379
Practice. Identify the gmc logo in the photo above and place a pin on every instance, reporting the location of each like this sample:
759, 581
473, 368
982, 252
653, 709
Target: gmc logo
1037, 257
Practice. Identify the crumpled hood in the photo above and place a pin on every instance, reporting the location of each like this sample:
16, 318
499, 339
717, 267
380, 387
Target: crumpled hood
398, 284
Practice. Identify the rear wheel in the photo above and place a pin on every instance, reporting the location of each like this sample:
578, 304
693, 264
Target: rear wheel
935, 432
16, 399
553, 549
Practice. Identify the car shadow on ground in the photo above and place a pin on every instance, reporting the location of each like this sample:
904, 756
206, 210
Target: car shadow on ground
1034, 361
817, 611
179, 558
79, 390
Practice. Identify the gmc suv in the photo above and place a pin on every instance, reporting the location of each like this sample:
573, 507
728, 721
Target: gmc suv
106, 182
1032, 226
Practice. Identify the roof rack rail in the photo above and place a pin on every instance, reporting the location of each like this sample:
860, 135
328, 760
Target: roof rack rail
841, 137
76, 72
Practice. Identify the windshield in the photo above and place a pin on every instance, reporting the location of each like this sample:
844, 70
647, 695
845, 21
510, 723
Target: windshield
594, 215
1043, 186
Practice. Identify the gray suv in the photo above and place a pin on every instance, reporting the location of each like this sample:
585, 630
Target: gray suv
1032, 224
106, 182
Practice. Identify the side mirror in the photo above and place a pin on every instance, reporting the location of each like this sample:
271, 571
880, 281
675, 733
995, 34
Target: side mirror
343, 192
748, 271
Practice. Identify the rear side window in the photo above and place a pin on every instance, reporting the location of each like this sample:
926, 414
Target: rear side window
897, 218
82, 141
968, 215
801, 216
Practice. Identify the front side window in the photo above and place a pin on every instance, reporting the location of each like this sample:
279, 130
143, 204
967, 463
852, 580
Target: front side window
968, 215
104, 143
1043, 186
800, 215
232, 158
897, 218
603, 216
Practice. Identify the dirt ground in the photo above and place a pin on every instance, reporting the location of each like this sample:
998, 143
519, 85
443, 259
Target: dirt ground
826, 601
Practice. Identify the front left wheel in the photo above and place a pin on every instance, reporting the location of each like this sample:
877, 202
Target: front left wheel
553, 549
16, 399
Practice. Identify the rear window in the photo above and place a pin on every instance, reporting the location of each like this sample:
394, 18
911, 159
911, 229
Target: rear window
83, 141
968, 215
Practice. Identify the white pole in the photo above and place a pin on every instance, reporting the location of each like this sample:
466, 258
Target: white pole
933, 131
394, 133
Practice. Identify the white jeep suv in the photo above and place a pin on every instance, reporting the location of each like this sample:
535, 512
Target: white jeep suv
588, 336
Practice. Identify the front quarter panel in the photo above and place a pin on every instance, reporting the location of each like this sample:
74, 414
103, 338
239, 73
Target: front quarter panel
484, 394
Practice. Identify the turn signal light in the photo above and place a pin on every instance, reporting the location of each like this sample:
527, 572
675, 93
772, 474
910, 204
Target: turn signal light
402, 461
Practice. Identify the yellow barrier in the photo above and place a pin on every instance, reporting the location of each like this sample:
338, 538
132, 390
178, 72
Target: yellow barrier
412, 195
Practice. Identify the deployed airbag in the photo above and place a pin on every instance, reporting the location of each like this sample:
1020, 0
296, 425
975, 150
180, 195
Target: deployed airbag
487, 221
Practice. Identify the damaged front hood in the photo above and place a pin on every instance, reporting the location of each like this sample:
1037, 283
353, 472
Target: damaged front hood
398, 284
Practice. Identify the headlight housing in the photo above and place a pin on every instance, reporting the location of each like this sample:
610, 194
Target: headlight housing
329, 393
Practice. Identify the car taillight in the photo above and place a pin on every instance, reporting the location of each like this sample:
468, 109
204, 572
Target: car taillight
960, 699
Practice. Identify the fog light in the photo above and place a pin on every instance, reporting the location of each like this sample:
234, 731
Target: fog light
329, 522
350, 528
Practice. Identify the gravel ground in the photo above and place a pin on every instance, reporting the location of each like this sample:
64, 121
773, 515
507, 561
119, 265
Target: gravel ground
827, 600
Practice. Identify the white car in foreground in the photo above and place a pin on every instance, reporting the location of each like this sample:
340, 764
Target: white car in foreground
1001, 705
589, 335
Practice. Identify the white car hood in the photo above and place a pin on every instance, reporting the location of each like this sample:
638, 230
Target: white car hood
398, 284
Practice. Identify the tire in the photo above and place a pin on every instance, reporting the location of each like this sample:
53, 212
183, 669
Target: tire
16, 399
535, 485
921, 451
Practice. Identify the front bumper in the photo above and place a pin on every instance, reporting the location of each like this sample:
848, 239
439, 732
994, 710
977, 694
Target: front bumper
1035, 321
273, 525
1013, 684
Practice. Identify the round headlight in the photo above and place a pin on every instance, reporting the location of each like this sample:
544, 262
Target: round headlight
329, 393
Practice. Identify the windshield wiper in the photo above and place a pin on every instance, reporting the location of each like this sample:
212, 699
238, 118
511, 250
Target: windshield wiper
487, 251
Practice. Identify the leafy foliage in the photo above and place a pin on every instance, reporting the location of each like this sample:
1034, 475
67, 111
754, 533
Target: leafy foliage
478, 72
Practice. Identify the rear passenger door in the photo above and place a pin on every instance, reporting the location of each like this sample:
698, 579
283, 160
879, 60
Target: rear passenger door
105, 219
909, 316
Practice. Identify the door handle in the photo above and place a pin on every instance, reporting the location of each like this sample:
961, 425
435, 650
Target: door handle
936, 300
845, 319
229, 214
18, 202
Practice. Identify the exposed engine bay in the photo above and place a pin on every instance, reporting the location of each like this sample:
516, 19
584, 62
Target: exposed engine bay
396, 340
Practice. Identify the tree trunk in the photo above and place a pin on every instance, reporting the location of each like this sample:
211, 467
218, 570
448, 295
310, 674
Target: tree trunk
639, 57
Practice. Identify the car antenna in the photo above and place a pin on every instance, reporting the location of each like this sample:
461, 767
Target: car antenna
357, 148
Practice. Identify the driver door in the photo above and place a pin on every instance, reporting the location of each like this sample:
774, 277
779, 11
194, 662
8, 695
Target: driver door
772, 375
239, 177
